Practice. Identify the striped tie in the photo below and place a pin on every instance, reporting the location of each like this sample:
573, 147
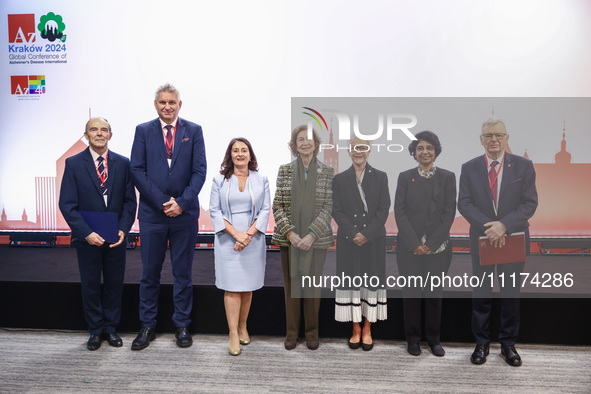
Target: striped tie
102, 174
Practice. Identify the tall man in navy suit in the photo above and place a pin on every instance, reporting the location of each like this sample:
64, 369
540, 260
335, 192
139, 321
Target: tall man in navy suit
497, 196
99, 180
168, 168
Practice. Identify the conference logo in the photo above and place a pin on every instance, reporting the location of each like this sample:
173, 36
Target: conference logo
392, 125
52, 27
32, 41
27, 85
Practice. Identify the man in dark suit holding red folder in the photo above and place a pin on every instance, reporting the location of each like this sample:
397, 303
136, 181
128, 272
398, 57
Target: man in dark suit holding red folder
98, 180
168, 167
497, 196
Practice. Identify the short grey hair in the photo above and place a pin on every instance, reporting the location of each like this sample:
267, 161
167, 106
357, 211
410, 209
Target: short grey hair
492, 122
167, 87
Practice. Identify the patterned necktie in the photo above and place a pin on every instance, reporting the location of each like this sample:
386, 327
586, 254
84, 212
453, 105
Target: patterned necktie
102, 174
492, 178
169, 141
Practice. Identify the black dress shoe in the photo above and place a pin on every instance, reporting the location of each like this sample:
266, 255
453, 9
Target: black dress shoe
290, 344
113, 339
480, 353
511, 356
143, 339
354, 345
437, 350
94, 342
367, 346
414, 349
183, 338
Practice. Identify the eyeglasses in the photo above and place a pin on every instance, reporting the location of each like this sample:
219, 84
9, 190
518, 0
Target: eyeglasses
361, 148
428, 148
498, 136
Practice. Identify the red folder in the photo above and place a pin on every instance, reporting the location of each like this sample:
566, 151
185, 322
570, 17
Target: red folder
512, 252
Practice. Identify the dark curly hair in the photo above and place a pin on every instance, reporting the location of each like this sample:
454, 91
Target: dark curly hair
227, 167
427, 136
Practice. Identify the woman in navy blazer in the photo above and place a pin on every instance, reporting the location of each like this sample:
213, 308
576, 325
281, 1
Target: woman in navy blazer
360, 208
425, 208
239, 206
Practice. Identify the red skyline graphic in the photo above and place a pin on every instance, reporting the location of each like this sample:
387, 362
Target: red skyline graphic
563, 190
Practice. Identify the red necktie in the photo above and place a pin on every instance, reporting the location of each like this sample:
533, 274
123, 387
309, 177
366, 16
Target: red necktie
101, 173
492, 178
169, 141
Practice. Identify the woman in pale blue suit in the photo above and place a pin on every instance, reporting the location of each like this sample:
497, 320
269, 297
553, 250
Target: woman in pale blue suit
239, 207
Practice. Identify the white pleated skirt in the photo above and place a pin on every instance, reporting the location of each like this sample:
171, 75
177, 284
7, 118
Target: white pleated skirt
354, 305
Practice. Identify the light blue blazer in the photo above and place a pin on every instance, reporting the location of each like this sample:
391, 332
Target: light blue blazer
219, 206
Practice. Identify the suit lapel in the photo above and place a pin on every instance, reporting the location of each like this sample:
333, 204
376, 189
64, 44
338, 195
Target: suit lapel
225, 191
91, 169
508, 176
352, 180
437, 190
112, 174
178, 138
159, 138
367, 185
253, 184
437, 185
483, 175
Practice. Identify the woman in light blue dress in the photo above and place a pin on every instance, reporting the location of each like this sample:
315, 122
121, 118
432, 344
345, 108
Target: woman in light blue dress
239, 207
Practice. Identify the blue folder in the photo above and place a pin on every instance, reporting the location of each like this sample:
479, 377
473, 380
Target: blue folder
105, 224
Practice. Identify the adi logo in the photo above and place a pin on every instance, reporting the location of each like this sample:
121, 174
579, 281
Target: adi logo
21, 29
27, 84
26, 35
52, 27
